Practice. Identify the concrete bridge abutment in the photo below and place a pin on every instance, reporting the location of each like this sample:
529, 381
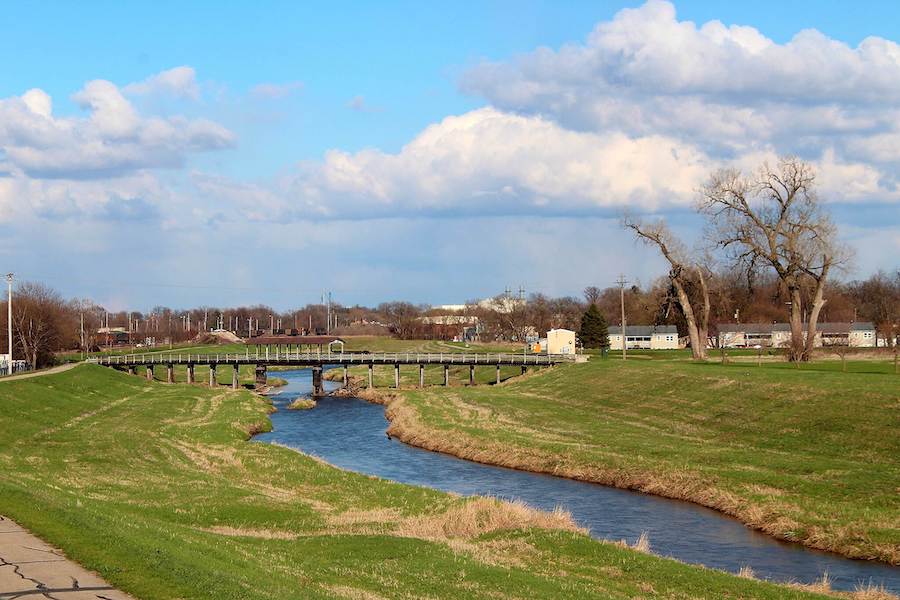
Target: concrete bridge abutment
212, 376
170, 373
149, 372
236, 377
446, 375
190, 373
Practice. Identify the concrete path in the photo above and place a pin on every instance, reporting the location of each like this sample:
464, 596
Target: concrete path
49, 371
29, 568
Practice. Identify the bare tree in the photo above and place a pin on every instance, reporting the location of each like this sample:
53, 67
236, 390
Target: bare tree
686, 275
39, 319
774, 218
592, 294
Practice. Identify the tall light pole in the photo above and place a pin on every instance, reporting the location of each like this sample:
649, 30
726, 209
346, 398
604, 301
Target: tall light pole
622, 283
9, 281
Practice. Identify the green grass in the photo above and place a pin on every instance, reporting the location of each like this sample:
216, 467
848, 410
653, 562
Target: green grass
810, 454
157, 488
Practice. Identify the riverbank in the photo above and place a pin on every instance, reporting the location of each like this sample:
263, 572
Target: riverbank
805, 456
156, 488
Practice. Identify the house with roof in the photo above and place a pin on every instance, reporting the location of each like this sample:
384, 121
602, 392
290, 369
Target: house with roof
778, 335
644, 337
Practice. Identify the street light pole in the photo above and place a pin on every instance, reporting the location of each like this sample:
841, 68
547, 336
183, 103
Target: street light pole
9, 282
622, 281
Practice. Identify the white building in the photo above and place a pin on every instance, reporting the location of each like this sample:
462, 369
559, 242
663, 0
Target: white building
778, 335
644, 337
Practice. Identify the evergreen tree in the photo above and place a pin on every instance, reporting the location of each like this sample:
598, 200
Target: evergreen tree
594, 331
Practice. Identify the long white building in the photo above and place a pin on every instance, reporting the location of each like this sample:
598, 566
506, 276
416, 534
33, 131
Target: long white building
778, 335
644, 337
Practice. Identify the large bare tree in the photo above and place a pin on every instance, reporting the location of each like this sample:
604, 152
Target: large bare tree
40, 322
773, 217
687, 276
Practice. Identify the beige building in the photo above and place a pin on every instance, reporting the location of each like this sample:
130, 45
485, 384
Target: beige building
778, 335
560, 341
644, 337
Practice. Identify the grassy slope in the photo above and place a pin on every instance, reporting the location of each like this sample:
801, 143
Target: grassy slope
810, 455
156, 488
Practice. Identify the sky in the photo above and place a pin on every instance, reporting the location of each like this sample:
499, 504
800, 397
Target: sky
185, 154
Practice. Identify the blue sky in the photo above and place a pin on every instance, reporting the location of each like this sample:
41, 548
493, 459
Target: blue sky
428, 151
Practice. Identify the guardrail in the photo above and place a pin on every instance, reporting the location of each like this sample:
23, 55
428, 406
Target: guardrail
336, 358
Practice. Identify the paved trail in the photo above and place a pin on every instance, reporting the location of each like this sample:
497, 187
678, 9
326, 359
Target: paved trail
30, 568
40, 373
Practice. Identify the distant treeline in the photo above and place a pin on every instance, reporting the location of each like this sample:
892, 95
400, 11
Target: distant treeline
45, 323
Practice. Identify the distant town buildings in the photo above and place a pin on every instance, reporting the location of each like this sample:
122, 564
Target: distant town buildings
644, 337
778, 335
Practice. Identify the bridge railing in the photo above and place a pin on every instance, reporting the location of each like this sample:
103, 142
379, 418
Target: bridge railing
347, 358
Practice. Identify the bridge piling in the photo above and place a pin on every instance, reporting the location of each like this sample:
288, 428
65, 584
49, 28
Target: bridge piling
261, 376
524, 369
170, 373
318, 390
498, 373
131, 369
421, 375
397, 375
346, 376
190, 373
371, 375
236, 377
212, 375
446, 375
149, 372
471, 374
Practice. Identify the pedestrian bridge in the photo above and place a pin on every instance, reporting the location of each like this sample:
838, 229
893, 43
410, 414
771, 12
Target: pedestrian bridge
319, 360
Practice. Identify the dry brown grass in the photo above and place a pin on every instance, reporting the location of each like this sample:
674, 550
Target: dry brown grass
265, 534
642, 544
747, 572
481, 515
302, 404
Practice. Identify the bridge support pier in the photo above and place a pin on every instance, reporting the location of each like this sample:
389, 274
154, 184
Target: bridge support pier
212, 376
149, 372
190, 373
261, 376
498, 374
318, 390
346, 376
236, 377
371, 375
524, 369
421, 375
446, 375
131, 370
471, 374
170, 373
397, 375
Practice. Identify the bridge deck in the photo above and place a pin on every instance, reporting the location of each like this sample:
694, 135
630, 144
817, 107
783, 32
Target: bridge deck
336, 358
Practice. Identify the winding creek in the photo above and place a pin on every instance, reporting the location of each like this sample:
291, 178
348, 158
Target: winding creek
350, 433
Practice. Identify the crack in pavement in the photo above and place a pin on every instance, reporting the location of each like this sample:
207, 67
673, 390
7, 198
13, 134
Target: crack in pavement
24, 572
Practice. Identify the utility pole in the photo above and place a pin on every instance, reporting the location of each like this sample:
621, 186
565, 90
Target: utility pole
622, 281
9, 282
